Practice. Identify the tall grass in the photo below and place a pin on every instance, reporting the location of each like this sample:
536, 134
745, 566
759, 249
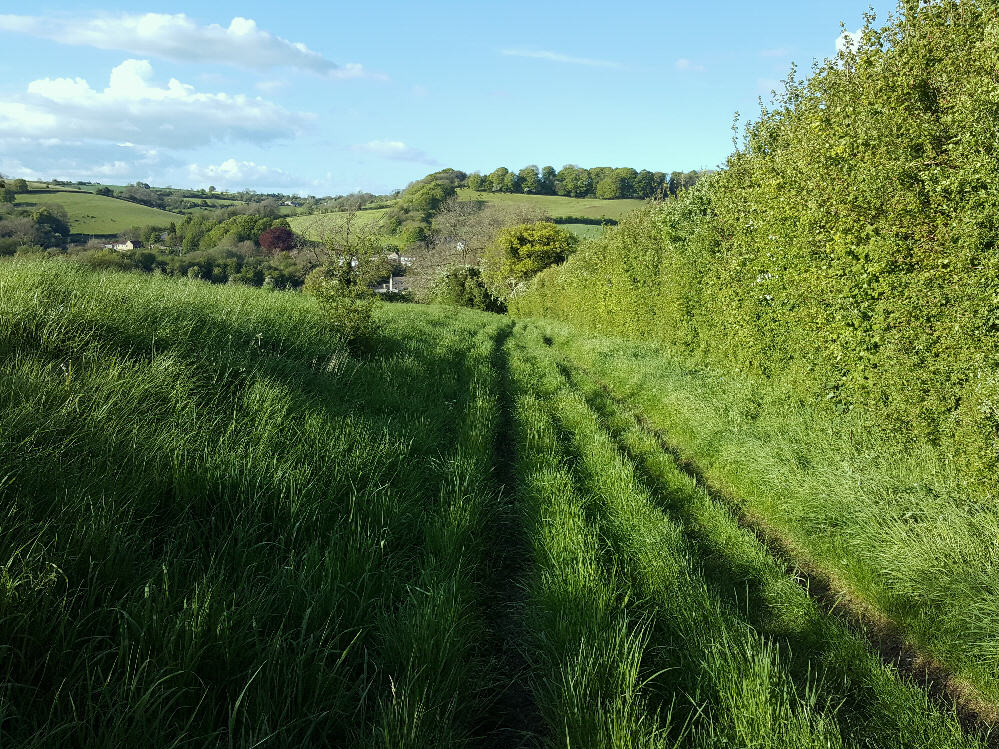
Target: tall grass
586, 652
897, 526
220, 528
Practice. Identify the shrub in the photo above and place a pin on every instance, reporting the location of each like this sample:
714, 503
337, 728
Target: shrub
348, 307
519, 253
464, 287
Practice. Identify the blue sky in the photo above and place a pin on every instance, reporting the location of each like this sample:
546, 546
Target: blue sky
326, 97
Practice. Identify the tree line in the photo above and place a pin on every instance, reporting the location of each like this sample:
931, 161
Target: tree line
602, 182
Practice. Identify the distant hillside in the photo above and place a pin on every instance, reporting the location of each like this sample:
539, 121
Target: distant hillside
557, 206
95, 214
589, 210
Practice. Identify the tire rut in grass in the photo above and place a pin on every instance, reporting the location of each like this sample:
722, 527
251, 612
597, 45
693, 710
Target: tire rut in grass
977, 716
514, 720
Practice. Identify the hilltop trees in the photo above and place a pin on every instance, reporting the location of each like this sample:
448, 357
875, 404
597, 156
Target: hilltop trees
604, 182
571, 181
529, 180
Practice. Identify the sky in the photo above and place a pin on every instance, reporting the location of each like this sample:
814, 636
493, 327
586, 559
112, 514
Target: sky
330, 97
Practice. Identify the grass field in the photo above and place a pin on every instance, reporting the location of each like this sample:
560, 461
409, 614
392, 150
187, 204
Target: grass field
556, 206
308, 226
559, 207
223, 529
96, 214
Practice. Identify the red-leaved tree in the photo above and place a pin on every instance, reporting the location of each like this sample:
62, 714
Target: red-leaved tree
278, 239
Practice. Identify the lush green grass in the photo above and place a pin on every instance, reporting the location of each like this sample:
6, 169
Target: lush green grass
897, 527
557, 206
310, 226
96, 214
222, 528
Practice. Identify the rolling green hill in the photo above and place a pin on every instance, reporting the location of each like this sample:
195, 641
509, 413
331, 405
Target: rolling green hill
559, 207
95, 214
224, 528
309, 226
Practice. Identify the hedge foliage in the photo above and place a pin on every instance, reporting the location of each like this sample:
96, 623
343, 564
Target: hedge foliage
847, 250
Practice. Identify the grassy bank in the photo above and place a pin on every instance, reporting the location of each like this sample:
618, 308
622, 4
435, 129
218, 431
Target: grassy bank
897, 526
221, 528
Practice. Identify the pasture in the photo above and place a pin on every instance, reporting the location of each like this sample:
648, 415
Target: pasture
96, 214
223, 528
559, 207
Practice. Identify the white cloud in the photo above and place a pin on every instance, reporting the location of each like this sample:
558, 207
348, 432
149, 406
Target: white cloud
541, 54
132, 108
848, 38
233, 173
684, 64
271, 86
395, 150
177, 37
79, 160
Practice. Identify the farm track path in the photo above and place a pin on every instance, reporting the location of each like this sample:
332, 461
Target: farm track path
514, 720
977, 716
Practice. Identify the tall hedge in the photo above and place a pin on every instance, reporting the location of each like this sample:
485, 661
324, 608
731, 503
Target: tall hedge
847, 250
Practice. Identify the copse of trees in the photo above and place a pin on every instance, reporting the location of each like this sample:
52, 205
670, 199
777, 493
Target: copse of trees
27, 230
847, 250
604, 182
413, 213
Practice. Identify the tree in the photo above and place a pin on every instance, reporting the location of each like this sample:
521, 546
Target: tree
548, 177
644, 185
599, 173
7, 195
511, 183
610, 187
20, 186
572, 181
104, 192
53, 226
476, 182
497, 178
521, 252
277, 239
530, 180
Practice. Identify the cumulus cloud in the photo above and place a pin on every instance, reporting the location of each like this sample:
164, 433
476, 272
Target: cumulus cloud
73, 160
848, 38
393, 149
684, 64
233, 173
134, 109
542, 54
178, 37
